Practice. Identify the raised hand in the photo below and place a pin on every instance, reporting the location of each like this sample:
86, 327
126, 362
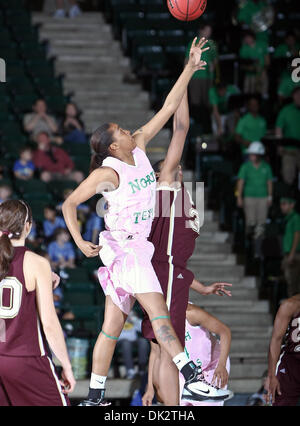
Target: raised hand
196, 52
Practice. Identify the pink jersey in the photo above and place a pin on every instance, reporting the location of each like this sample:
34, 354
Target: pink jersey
204, 349
131, 205
126, 252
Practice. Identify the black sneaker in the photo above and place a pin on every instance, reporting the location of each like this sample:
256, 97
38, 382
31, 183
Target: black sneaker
198, 389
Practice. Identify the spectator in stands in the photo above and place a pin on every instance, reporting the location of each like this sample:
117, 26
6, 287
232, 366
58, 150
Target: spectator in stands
251, 127
5, 192
288, 128
222, 121
127, 339
82, 210
61, 251
53, 162
255, 61
24, 168
202, 80
40, 121
60, 9
52, 221
248, 9
289, 49
287, 85
72, 128
254, 192
291, 246
93, 227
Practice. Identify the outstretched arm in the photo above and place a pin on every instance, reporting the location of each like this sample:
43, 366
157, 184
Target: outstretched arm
181, 125
197, 316
99, 180
144, 135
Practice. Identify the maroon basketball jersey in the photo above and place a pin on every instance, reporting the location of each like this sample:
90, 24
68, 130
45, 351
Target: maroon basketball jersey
21, 332
175, 226
292, 337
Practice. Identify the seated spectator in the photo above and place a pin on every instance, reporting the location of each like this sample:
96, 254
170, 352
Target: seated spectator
288, 127
127, 339
61, 251
5, 192
251, 127
291, 246
255, 61
40, 121
93, 227
255, 191
202, 80
222, 121
290, 48
248, 9
52, 221
53, 162
72, 127
82, 210
60, 9
24, 168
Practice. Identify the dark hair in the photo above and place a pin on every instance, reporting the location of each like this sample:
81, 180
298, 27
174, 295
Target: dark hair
25, 148
101, 140
50, 207
60, 231
14, 214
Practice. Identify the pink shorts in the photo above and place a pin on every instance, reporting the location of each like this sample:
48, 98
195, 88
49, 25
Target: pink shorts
128, 270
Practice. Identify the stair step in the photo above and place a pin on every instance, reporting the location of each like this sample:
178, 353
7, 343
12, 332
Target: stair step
245, 385
244, 318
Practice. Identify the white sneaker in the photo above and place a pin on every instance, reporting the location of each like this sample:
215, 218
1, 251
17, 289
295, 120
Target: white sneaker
198, 389
60, 13
75, 11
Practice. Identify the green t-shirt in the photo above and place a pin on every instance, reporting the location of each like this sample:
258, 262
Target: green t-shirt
286, 86
292, 225
283, 51
222, 101
256, 179
257, 52
288, 121
209, 56
251, 128
249, 9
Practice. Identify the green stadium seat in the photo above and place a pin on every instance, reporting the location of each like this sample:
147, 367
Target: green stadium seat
57, 187
79, 149
25, 102
31, 186
91, 264
38, 196
56, 103
81, 294
37, 207
77, 275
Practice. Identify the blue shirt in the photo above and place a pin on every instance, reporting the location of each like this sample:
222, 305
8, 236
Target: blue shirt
50, 227
24, 169
58, 292
66, 251
94, 223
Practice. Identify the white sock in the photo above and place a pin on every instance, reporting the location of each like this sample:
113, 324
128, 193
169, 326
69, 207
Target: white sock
181, 360
97, 382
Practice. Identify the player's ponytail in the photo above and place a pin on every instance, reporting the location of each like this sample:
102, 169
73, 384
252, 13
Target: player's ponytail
101, 140
14, 214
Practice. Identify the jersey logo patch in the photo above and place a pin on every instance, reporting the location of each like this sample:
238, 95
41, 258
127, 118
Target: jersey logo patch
297, 348
181, 277
282, 371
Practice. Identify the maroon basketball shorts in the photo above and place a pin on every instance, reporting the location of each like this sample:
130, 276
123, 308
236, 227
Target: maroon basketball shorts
288, 374
175, 283
29, 381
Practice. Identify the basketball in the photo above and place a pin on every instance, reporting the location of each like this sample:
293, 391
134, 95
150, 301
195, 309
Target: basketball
187, 10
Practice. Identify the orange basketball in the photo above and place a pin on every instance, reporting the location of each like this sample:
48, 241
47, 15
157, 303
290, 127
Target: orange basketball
187, 10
